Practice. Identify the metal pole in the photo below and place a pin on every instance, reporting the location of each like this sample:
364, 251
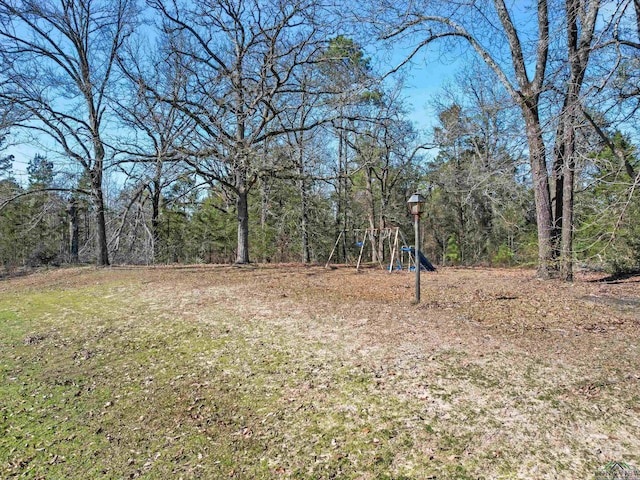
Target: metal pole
417, 257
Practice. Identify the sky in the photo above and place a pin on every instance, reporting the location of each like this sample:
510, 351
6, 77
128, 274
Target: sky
423, 85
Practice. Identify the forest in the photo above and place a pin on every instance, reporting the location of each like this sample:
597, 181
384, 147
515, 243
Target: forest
238, 131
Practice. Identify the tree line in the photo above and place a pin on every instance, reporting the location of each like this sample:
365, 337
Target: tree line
258, 130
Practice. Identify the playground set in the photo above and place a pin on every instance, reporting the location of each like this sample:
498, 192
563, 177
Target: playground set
402, 256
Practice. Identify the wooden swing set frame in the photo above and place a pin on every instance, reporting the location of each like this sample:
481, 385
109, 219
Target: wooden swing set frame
382, 234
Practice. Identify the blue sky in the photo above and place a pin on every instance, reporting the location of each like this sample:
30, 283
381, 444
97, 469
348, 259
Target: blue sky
424, 77
424, 83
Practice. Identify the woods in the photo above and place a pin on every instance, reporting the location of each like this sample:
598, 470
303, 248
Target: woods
258, 130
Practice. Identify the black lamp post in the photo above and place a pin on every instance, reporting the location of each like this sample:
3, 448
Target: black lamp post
416, 207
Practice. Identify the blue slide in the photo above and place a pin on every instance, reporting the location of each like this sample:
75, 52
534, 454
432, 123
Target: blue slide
424, 262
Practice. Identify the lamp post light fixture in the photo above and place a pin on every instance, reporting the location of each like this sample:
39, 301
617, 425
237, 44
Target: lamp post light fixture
416, 207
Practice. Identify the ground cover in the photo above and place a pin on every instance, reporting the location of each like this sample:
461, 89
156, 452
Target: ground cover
306, 372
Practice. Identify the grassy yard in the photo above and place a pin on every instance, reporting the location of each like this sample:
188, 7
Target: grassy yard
294, 372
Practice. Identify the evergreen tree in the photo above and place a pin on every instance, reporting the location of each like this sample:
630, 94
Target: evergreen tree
45, 230
40, 171
6, 163
608, 210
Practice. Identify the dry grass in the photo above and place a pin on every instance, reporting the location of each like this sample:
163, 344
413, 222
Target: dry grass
304, 372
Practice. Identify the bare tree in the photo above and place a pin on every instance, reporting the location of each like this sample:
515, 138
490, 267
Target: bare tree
581, 16
300, 141
60, 58
386, 147
242, 59
525, 85
621, 80
491, 29
334, 89
150, 157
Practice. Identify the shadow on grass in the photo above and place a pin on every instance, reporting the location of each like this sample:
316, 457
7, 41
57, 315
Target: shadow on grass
618, 278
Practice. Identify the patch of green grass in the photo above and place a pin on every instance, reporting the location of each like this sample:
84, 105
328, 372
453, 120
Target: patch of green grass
92, 388
94, 383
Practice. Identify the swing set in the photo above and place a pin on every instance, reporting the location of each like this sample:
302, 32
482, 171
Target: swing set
401, 255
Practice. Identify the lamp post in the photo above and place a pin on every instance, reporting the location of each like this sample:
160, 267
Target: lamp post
416, 207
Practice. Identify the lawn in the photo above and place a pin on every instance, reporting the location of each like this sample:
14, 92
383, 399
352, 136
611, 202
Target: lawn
306, 372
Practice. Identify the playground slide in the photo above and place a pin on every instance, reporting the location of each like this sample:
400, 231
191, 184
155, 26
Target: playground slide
426, 263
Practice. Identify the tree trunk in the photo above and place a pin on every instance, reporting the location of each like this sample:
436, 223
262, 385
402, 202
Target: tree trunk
384, 202
102, 250
382, 223
341, 210
73, 230
540, 179
566, 263
558, 186
155, 220
304, 200
264, 208
581, 21
242, 205
306, 252
346, 224
565, 180
636, 4
371, 214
